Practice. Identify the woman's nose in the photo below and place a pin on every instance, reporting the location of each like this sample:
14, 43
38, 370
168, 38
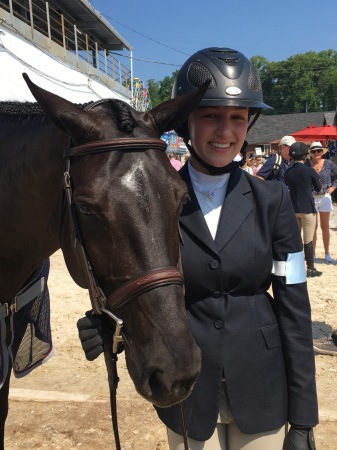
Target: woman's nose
223, 127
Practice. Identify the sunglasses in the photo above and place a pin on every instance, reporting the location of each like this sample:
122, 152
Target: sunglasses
316, 151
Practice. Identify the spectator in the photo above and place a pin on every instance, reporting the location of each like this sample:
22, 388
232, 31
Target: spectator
325, 168
271, 169
248, 166
174, 161
300, 180
258, 164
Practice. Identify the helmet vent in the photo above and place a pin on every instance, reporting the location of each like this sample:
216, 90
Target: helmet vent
198, 74
229, 61
254, 82
225, 51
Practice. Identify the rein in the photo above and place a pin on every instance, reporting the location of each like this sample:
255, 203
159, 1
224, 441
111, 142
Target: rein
146, 282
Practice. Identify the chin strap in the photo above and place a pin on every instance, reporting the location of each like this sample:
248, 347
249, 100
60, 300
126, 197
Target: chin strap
216, 170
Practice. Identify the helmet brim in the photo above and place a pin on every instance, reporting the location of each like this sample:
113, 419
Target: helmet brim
234, 102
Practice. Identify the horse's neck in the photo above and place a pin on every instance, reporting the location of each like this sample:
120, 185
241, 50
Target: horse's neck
31, 174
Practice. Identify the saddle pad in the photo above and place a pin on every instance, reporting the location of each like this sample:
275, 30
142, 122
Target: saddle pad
31, 343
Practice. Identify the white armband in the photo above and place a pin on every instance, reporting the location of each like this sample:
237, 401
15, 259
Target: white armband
293, 268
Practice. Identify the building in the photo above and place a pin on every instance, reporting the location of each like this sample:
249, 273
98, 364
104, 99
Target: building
269, 129
66, 47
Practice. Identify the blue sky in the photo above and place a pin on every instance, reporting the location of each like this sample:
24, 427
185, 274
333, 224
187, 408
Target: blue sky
168, 32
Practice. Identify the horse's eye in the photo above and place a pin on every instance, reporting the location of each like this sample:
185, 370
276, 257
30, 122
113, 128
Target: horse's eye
84, 209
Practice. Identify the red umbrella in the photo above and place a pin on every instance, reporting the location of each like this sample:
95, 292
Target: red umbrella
314, 132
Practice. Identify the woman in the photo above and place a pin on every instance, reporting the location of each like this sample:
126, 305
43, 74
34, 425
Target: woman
300, 180
258, 164
248, 166
240, 236
324, 168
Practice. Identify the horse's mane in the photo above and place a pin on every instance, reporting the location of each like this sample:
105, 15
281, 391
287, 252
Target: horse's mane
22, 111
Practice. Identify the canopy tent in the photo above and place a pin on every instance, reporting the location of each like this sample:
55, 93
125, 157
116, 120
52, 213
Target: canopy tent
313, 132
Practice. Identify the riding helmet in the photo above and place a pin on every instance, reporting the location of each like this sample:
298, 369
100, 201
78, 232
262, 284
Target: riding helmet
298, 149
233, 80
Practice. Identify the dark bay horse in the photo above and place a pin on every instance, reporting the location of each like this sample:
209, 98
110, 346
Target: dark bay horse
127, 198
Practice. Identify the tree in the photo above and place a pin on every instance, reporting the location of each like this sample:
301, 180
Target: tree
160, 91
303, 82
153, 90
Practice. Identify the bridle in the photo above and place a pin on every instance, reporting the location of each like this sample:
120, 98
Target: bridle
146, 282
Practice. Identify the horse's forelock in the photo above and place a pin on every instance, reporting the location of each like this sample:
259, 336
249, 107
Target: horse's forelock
122, 113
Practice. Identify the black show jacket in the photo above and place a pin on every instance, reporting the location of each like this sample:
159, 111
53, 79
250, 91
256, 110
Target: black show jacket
261, 345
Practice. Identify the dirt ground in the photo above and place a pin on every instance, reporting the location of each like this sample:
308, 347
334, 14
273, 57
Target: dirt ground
64, 404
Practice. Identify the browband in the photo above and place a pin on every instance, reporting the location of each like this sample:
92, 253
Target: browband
116, 144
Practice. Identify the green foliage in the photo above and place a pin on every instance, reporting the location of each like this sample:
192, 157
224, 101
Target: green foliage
303, 82
160, 91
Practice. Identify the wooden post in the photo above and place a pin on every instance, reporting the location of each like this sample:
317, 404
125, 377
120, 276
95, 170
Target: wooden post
31, 18
63, 35
48, 24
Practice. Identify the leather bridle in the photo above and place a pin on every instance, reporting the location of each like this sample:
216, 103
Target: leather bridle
147, 281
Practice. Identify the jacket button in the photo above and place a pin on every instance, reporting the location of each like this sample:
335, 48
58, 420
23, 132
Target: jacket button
214, 264
216, 294
218, 324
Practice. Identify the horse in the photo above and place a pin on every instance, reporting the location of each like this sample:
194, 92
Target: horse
95, 181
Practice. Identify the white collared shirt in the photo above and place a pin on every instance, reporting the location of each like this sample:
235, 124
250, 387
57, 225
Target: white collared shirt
210, 191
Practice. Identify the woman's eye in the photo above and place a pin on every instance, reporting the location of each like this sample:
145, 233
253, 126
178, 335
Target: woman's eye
84, 209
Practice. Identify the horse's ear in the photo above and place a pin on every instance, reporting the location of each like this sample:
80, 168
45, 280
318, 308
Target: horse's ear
172, 113
67, 116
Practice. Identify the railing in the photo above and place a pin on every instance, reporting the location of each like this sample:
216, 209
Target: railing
57, 27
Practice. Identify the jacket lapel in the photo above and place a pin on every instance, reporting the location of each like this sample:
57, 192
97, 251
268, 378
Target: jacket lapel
192, 218
231, 219
235, 209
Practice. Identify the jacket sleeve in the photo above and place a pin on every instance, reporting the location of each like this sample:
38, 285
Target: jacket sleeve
267, 167
293, 313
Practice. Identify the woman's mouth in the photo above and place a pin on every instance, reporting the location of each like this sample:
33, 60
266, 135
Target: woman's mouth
221, 146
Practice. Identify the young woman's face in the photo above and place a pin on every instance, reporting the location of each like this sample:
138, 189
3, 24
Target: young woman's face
217, 133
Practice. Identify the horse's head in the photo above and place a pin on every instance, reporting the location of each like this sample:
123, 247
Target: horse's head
127, 202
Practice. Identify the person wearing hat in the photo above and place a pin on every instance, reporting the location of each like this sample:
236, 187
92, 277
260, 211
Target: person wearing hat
300, 180
324, 168
273, 169
327, 345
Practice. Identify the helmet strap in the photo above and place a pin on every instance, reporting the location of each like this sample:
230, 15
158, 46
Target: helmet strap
212, 169
257, 115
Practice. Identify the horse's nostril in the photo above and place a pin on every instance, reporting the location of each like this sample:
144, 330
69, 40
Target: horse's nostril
161, 385
156, 382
